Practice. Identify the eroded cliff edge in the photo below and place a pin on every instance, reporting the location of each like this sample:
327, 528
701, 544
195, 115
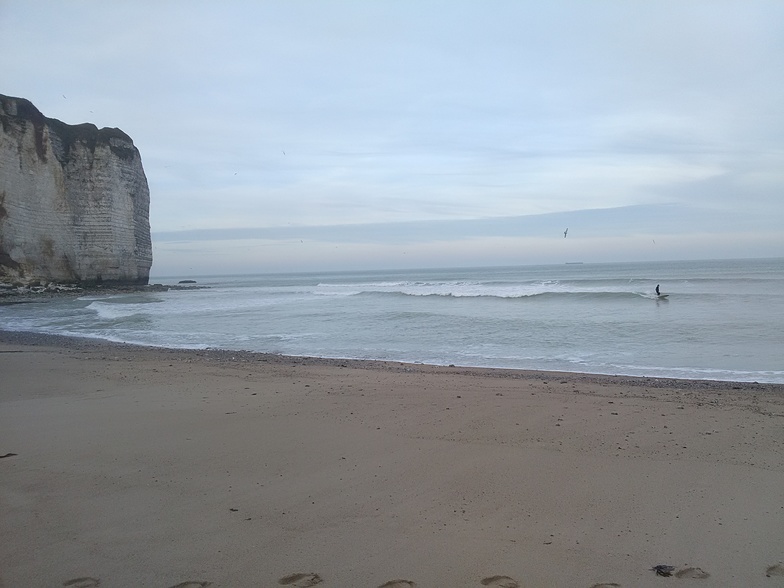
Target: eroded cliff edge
74, 201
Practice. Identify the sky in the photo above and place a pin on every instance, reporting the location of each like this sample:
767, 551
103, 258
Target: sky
302, 135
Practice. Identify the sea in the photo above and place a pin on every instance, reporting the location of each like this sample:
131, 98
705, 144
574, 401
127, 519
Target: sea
721, 319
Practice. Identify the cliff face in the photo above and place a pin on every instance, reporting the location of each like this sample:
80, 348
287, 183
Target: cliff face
74, 201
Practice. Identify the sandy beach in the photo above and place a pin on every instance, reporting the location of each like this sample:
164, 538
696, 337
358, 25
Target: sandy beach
126, 467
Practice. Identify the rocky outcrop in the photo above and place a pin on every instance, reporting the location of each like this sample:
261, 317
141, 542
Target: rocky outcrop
74, 201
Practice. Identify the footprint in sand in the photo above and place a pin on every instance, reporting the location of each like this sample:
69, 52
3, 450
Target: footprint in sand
398, 584
301, 580
500, 582
777, 570
85, 582
696, 573
193, 585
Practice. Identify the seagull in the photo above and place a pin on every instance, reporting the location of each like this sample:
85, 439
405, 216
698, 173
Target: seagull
566, 231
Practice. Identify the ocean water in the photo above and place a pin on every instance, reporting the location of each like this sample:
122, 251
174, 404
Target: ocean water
723, 320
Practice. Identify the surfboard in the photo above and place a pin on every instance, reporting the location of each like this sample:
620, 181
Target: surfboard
662, 296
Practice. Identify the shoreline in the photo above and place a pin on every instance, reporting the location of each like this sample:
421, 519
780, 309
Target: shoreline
27, 338
140, 466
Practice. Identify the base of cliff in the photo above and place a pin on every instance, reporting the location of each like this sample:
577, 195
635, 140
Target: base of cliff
17, 293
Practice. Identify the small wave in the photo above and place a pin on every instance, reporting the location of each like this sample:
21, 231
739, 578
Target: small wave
412, 288
689, 373
482, 289
114, 311
516, 295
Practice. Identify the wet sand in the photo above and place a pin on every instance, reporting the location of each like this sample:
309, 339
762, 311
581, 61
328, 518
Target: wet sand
126, 466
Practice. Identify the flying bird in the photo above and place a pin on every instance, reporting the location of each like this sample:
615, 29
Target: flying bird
566, 231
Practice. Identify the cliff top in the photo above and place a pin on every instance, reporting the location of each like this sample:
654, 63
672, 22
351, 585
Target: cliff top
86, 133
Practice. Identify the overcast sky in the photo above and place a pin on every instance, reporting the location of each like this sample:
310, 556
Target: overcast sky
290, 135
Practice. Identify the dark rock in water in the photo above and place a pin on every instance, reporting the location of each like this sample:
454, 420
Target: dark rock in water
74, 202
187, 282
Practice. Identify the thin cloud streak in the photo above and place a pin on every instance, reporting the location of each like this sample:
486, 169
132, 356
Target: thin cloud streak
616, 222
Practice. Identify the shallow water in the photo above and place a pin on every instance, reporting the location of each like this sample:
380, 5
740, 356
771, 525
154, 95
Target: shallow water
723, 319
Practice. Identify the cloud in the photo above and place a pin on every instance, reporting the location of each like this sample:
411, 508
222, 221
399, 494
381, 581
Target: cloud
404, 119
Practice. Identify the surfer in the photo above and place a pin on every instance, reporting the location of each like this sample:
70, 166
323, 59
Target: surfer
657, 290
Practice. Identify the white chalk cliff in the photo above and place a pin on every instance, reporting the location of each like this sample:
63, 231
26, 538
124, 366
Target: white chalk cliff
74, 201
